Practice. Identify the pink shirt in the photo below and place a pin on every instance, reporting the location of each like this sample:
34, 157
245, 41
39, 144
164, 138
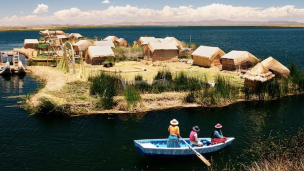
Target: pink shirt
193, 136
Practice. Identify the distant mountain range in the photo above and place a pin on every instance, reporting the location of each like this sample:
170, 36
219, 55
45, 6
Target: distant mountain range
213, 23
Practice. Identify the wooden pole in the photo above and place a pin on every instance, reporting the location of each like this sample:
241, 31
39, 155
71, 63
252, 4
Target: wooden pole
66, 59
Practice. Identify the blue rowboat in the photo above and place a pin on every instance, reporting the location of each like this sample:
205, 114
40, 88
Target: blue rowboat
158, 147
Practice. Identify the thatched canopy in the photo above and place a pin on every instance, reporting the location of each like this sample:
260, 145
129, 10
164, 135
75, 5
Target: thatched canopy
122, 42
100, 51
104, 43
161, 46
274, 65
111, 38
61, 36
240, 57
259, 73
82, 45
47, 32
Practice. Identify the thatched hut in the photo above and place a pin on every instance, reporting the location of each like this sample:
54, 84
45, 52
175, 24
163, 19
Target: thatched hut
96, 55
30, 43
236, 60
111, 38
162, 51
81, 46
104, 43
75, 36
207, 56
121, 42
177, 43
47, 32
258, 74
276, 67
142, 39
62, 38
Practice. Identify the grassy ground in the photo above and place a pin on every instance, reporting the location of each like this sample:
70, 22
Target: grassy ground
66, 88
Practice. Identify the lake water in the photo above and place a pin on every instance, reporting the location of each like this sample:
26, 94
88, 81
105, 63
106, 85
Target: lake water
106, 142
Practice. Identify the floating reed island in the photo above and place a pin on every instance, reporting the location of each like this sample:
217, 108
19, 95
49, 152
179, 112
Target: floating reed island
96, 76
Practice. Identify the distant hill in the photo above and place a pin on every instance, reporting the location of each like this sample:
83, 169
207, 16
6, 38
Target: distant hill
221, 22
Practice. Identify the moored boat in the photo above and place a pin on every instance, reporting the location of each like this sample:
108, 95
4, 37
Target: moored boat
6, 70
21, 68
158, 147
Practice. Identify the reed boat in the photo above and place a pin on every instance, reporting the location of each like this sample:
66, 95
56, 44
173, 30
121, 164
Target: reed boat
21, 68
6, 70
158, 147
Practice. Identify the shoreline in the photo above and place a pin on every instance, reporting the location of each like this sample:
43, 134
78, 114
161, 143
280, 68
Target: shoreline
59, 86
39, 28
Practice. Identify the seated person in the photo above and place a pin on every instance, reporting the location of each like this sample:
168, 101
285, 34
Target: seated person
217, 135
194, 137
173, 129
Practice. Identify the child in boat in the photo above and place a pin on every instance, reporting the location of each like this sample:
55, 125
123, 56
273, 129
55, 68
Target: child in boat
194, 137
173, 129
217, 135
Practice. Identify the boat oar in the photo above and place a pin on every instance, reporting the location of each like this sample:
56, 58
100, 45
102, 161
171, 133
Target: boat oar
198, 154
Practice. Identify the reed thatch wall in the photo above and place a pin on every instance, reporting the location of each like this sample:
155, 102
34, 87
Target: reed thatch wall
206, 62
276, 67
164, 55
228, 64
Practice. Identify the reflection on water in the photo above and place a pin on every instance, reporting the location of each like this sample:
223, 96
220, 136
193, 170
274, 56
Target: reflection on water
12, 84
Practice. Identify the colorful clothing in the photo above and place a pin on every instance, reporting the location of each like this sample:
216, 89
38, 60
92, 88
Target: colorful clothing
173, 130
194, 139
173, 141
217, 134
218, 140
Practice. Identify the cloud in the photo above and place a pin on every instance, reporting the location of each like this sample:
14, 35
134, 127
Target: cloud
119, 14
41, 8
105, 2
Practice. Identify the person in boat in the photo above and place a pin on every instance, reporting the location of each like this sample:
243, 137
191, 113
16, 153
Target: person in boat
173, 129
217, 135
194, 137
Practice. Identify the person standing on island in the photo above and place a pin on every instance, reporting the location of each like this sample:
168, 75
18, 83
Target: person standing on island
217, 135
173, 129
194, 137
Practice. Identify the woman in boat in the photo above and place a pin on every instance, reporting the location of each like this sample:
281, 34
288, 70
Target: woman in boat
194, 137
173, 129
217, 135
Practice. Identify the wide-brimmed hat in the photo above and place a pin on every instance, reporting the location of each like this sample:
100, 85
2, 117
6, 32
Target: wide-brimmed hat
218, 126
196, 129
174, 122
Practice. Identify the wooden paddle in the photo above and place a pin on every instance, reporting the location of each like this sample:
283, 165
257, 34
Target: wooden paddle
198, 154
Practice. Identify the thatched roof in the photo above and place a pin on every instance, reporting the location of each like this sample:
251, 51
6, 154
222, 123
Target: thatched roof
111, 38
177, 43
161, 46
240, 57
208, 52
61, 36
142, 39
152, 40
259, 73
31, 41
100, 51
122, 42
47, 32
104, 43
75, 35
276, 66
82, 45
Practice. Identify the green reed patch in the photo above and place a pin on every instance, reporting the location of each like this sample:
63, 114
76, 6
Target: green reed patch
48, 107
132, 96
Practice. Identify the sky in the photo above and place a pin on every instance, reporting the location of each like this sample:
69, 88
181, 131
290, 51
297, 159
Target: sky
98, 12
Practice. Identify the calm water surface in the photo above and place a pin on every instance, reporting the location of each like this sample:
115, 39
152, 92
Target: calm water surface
106, 142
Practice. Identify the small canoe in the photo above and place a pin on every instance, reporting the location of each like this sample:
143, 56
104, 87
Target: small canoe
6, 70
158, 147
21, 68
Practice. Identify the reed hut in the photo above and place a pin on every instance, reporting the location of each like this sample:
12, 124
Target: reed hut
111, 38
30, 43
177, 43
121, 42
104, 43
75, 36
162, 51
48, 33
96, 55
258, 74
207, 56
237, 60
81, 46
142, 39
276, 67
62, 38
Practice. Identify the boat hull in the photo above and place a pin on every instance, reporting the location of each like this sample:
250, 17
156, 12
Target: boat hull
151, 147
6, 69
